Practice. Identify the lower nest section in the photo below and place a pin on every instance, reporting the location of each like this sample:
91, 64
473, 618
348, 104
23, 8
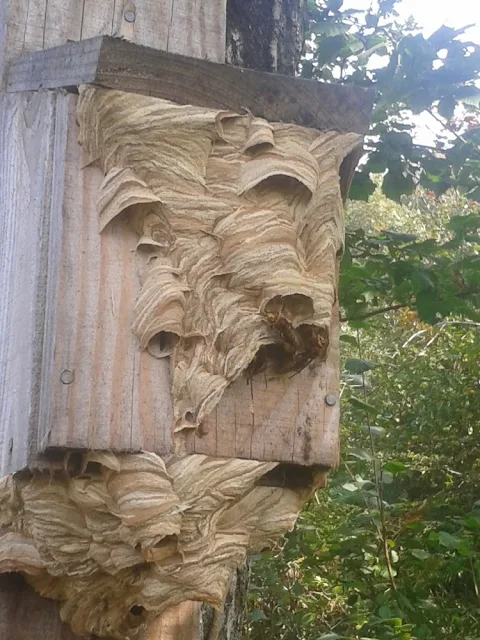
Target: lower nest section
124, 537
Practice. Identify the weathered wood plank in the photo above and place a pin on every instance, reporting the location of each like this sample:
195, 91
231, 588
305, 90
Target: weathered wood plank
105, 394
27, 200
281, 419
181, 26
71, 373
197, 29
63, 22
13, 19
118, 64
181, 621
24, 615
97, 18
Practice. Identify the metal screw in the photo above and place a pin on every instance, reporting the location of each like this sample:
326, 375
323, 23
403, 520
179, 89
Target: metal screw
330, 399
129, 15
66, 377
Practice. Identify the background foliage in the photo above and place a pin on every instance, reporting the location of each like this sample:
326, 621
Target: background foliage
410, 75
391, 549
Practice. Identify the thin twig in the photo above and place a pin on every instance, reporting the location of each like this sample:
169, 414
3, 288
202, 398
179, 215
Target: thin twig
475, 583
445, 323
412, 337
378, 483
446, 125
460, 323
376, 312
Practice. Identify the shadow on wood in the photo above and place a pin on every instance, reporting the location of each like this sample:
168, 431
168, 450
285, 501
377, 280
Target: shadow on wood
24, 615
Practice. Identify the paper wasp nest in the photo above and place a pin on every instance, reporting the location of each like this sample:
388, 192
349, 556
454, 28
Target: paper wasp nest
240, 227
243, 225
130, 535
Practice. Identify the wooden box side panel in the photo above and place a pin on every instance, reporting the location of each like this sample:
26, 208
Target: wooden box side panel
73, 376
100, 391
24, 615
106, 393
31, 149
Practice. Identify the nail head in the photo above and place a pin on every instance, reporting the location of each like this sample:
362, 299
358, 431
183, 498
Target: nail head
66, 377
330, 399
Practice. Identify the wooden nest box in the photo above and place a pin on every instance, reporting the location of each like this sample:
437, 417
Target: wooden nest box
170, 277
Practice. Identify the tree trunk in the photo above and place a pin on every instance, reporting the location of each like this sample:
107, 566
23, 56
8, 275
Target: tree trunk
266, 35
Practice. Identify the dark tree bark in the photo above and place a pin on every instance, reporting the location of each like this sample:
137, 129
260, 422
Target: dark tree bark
228, 624
267, 35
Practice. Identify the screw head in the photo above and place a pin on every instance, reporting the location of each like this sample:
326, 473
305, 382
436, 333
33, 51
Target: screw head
66, 377
330, 399
129, 15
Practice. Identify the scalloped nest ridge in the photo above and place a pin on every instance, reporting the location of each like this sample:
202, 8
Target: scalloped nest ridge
130, 534
242, 221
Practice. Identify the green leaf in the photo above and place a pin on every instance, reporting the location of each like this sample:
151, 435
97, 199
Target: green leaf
362, 186
469, 95
427, 303
361, 454
385, 612
329, 636
444, 35
357, 381
360, 404
472, 522
420, 554
329, 48
464, 223
446, 107
328, 28
373, 430
396, 184
394, 467
387, 477
449, 541
256, 614
358, 365
399, 237
353, 46
345, 337
349, 486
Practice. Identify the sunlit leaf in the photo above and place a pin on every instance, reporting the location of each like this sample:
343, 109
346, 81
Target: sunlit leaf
360, 404
373, 430
421, 554
358, 365
361, 454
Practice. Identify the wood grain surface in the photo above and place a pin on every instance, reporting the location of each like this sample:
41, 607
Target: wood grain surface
119, 64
